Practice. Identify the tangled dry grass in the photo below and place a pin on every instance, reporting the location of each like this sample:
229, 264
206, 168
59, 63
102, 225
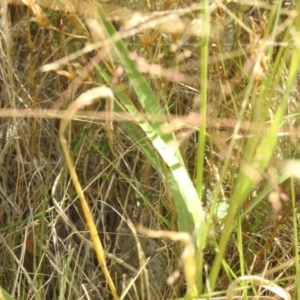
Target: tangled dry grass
45, 246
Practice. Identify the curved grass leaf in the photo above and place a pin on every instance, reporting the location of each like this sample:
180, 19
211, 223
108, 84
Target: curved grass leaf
187, 200
4, 295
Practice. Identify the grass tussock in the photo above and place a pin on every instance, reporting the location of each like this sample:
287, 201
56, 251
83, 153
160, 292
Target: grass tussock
149, 150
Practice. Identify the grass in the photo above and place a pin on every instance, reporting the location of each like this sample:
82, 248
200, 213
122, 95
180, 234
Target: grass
191, 149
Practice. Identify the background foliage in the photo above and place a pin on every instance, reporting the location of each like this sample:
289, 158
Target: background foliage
200, 145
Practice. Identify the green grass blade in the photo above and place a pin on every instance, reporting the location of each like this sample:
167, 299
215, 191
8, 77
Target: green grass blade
249, 174
150, 105
4, 295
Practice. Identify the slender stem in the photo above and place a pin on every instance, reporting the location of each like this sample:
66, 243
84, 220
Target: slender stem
82, 101
204, 55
